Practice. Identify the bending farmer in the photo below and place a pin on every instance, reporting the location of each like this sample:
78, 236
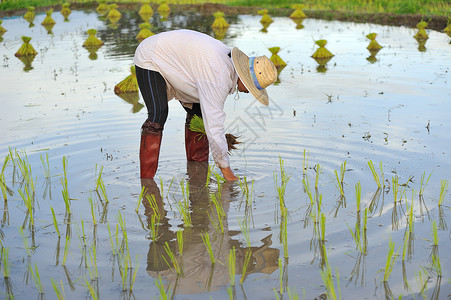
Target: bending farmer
200, 72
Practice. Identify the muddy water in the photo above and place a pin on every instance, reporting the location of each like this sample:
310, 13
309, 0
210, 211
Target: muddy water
393, 110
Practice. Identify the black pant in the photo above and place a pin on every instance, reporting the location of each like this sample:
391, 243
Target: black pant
153, 90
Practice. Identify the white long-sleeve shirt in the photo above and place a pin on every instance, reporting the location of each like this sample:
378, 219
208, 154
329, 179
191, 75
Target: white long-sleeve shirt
197, 69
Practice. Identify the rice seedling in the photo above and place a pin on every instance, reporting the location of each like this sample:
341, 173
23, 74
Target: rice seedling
326, 275
163, 8
6, 267
339, 179
36, 278
114, 246
180, 241
390, 260
266, 19
305, 181
298, 12
144, 33
358, 195
395, 189
219, 21
206, 240
434, 234
174, 263
28, 200
323, 227
247, 192
146, 10
66, 250
25, 241
30, 14
2, 29
284, 233
93, 215
375, 175
443, 189
140, 198
48, 18
423, 183
305, 162
113, 13
153, 205
322, 52
219, 212
102, 8
318, 169
65, 191
164, 294
280, 276
5, 189
60, 294
129, 84
435, 264
374, 45
65, 11
183, 205
279, 63
93, 270
94, 294
231, 264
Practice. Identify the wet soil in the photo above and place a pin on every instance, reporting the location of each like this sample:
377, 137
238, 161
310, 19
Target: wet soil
409, 20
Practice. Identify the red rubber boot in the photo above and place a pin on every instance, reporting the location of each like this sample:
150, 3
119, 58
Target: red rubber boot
196, 144
149, 151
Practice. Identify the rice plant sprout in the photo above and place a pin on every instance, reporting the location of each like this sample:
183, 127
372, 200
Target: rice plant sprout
390, 260
219, 213
339, 179
164, 294
174, 262
443, 190
247, 258
5, 189
183, 205
36, 278
129, 84
328, 279
206, 240
231, 264
60, 294
6, 267
144, 33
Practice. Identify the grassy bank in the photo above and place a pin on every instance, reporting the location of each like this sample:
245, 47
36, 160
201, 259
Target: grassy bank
423, 7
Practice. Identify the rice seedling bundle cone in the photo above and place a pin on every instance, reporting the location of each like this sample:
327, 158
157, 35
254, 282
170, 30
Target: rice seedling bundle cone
102, 8
113, 13
275, 58
2, 30
26, 49
66, 11
48, 19
219, 21
92, 40
129, 84
163, 8
30, 14
374, 45
144, 32
298, 13
447, 29
322, 52
146, 10
421, 35
266, 19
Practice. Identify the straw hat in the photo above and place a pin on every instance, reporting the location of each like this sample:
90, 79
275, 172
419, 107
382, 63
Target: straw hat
256, 73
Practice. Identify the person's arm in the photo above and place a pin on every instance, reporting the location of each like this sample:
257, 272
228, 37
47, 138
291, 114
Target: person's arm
212, 98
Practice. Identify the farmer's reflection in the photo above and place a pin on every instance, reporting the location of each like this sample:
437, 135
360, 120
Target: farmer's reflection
199, 274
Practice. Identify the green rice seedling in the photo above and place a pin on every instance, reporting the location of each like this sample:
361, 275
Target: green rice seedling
278, 62
180, 240
25, 241
339, 179
231, 264
183, 208
219, 211
434, 234
6, 267
247, 259
174, 263
266, 19
65, 10
410, 214
60, 294
305, 162
92, 290
129, 84
443, 189
284, 233
375, 175
146, 10
66, 250
154, 227
280, 276
113, 12
323, 227
46, 165
145, 31
421, 34
65, 191
5, 189
48, 18
153, 205
93, 214
206, 240
164, 294
305, 181
374, 45
424, 182
247, 192
36, 278
326, 275
435, 265
93, 270
395, 188
298, 12
27, 197
358, 195
219, 21
123, 226
390, 260
318, 169
124, 268
114, 246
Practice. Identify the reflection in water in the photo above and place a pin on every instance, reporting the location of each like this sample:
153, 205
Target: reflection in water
199, 274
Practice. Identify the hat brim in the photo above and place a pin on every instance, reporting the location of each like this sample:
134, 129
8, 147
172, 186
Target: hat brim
241, 64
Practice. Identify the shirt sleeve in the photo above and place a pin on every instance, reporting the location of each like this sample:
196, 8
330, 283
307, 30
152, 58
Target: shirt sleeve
212, 98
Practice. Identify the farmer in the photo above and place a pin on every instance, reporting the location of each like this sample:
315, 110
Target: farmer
200, 72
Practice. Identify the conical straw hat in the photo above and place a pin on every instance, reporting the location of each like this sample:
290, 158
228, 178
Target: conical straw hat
256, 73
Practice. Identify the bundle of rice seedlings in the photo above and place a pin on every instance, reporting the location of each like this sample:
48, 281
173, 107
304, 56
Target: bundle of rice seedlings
219, 21
219, 32
275, 58
164, 8
30, 14
197, 125
48, 19
113, 13
26, 49
144, 32
421, 34
2, 30
374, 45
146, 10
447, 29
27, 60
322, 52
102, 8
92, 41
129, 84
298, 13
65, 10
266, 19
298, 22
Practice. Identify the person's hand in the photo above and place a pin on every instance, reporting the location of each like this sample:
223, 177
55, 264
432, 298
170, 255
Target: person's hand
228, 174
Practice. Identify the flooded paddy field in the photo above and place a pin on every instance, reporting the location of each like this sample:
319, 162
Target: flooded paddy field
307, 213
